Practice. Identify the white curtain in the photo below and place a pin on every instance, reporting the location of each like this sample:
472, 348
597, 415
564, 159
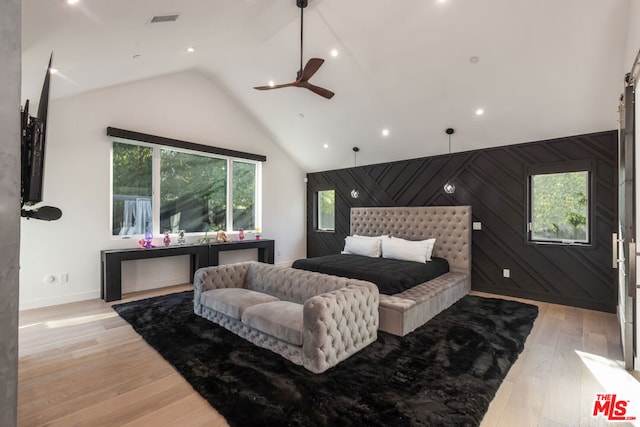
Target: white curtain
137, 216
175, 222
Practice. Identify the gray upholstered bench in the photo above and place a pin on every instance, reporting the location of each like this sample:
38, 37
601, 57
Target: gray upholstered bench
312, 319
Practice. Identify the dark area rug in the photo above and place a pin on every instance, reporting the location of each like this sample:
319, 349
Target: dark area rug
445, 373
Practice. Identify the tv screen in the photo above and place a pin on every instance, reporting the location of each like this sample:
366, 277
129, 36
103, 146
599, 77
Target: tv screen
34, 136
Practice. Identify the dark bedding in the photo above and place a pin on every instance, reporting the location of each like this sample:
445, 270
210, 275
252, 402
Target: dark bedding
391, 275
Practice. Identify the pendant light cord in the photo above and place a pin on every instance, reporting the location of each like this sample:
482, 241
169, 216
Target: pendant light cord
449, 131
449, 186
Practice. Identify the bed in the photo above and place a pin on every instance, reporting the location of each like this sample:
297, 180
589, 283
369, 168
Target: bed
404, 309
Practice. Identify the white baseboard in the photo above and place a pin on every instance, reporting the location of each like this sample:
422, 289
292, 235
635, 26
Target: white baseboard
65, 299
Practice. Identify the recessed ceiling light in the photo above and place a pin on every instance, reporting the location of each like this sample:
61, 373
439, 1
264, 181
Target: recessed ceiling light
385, 132
334, 52
442, 1
479, 112
271, 83
53, 70
190, 49
72, 1
326, 145
474, 60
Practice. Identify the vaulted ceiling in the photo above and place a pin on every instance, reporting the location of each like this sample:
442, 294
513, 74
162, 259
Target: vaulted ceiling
539, 69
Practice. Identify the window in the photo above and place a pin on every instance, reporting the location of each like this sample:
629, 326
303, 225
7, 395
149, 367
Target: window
326, 210
559, 207
193, 192
244, 189
159, 188
132, 189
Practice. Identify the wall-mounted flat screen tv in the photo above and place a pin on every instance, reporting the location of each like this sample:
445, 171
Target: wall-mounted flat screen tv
33, 141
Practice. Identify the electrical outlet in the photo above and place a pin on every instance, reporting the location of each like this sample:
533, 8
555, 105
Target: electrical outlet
506, 273
477, 225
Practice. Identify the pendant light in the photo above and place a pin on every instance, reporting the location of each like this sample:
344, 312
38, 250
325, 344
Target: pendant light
354, 192
449, 187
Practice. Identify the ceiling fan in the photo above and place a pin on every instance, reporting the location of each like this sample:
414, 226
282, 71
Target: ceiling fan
304, 74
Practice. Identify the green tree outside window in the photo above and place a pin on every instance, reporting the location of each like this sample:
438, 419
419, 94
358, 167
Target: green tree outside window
132, 189
244, 190
326, 210
192, 191
559, 207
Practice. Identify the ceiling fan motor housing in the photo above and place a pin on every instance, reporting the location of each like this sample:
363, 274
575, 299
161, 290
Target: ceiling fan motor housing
301, 3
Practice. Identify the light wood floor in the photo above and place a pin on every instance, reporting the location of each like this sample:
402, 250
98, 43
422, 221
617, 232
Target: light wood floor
82, 365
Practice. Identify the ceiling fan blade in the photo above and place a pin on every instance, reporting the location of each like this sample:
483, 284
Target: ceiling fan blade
317, 89
275, 86
310, 69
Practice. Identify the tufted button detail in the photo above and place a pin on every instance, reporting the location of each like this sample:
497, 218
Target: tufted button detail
451, 225
340, 315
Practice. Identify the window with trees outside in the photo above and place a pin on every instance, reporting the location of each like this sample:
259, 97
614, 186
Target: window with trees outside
326, 210
157, 189
559, 207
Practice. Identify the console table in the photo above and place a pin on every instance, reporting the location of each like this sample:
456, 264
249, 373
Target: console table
201, 255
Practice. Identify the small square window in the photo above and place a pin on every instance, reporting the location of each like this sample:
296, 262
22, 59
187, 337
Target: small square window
326, 210
559, 207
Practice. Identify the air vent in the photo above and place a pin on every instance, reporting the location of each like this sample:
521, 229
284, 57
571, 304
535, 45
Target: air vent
164, 18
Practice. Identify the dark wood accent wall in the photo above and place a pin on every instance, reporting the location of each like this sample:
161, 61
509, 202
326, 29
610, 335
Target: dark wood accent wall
494, 183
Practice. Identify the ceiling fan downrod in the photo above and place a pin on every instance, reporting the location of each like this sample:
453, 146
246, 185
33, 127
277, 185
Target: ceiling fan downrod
301, 4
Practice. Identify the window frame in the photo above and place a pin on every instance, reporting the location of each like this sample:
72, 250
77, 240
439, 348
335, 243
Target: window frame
316, 210
257, 203
156, 180
559, 168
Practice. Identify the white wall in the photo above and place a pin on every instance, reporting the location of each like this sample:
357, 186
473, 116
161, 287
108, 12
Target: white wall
187, 106
633, 34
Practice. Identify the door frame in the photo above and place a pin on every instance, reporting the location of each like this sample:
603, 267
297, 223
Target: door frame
625, 252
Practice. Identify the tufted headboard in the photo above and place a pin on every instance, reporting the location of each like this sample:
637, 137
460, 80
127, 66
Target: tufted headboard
450, 225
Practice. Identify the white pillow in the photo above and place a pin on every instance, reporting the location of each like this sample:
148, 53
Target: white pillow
359, 245
408, 250
430, 245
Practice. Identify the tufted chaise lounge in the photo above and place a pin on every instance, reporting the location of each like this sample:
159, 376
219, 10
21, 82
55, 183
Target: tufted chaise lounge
312, 319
